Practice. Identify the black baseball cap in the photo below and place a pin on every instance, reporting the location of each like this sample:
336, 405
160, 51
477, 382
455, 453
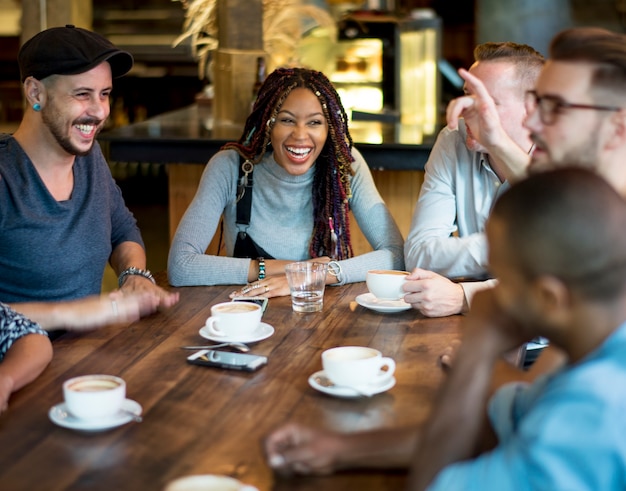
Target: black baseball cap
69, 50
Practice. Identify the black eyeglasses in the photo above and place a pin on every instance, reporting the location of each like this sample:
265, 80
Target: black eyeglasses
551, 106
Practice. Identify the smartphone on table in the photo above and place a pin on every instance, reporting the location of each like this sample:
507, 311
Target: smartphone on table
226, 359
262, 301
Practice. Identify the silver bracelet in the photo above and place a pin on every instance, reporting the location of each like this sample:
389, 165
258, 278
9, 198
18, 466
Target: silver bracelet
334, 268
134, 271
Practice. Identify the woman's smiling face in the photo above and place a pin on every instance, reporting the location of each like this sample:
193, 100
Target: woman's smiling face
299, 132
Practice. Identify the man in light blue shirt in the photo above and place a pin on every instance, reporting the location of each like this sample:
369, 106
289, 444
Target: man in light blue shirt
558, 247
464, 175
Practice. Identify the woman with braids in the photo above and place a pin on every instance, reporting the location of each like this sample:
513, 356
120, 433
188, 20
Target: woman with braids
285, 190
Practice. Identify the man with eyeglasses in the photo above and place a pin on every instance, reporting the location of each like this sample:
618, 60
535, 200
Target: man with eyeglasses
576, 113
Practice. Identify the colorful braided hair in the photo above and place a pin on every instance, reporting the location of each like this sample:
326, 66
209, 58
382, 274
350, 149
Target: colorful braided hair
331, 183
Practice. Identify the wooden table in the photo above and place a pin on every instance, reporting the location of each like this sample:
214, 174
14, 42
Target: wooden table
201, 420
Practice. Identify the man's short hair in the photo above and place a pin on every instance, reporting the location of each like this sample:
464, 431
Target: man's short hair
571, 224
527, 60
604, 49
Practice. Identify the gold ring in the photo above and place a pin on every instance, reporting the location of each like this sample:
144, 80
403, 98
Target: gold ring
267, 288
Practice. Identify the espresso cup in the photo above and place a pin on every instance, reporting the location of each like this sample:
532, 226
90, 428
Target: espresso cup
353, 366
208, 482
92, 397
386, 284
234, 319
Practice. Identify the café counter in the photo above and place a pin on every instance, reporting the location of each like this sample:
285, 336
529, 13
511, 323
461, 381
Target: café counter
185, 139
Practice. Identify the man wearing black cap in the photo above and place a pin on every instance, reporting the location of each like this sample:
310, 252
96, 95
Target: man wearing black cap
62, 217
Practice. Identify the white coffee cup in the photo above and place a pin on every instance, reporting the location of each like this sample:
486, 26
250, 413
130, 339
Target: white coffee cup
386, 284
234, 319
208, 482
92, 397
353, 366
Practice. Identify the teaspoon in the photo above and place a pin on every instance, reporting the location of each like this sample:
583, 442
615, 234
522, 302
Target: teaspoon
326, 382
238, 346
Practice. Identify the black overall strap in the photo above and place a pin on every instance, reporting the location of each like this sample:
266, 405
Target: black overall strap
244, 245
244, 185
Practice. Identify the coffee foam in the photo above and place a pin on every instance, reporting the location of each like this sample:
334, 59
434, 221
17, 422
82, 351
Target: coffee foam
93, 385
389, 271
236, 307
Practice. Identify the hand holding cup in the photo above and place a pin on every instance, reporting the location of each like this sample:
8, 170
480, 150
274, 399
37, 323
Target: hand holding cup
386, 284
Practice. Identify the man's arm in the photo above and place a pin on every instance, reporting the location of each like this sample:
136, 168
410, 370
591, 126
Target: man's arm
457, 427
297, 449
480, 109
131, 254
90, 312
27, 357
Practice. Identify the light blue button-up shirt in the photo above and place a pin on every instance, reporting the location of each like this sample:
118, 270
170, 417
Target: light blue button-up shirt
447, 229
566, 432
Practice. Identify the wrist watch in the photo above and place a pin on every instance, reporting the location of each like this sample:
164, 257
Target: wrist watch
334, 268
134, 271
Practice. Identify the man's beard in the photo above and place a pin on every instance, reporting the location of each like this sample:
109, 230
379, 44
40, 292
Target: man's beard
50, 118
585, 155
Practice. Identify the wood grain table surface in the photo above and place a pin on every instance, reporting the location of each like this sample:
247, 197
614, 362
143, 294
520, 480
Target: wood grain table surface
199, 420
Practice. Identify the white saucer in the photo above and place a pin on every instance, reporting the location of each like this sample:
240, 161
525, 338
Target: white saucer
60, 416
369, 301
349, 392
264, 331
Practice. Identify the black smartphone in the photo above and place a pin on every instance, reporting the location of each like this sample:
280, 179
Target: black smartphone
262, 301
226, 359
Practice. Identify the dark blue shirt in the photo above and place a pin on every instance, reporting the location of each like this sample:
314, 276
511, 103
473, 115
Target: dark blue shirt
57, 250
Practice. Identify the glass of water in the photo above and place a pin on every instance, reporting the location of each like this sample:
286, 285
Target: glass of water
307, 281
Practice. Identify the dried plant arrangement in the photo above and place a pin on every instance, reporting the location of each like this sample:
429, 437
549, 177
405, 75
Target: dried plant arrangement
285, 23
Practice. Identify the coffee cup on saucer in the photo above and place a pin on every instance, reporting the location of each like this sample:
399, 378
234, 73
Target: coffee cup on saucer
94, 397
208, 482
234, 319
386, 284
354, 366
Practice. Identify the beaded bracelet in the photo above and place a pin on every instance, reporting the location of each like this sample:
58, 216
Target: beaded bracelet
134, 271
261, 268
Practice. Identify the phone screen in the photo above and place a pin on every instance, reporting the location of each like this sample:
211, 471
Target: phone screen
226, 359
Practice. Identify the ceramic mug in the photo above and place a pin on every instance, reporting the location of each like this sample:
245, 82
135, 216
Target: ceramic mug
386, 284
234, 319
353, 366
92, 397
208, 482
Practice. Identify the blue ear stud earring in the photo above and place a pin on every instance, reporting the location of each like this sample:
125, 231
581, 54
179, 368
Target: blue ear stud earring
37, 106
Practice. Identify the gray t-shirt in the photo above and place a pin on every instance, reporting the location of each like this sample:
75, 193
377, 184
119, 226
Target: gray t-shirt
57, 250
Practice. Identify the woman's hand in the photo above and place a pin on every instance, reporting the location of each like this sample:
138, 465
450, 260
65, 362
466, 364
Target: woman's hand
272, 286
